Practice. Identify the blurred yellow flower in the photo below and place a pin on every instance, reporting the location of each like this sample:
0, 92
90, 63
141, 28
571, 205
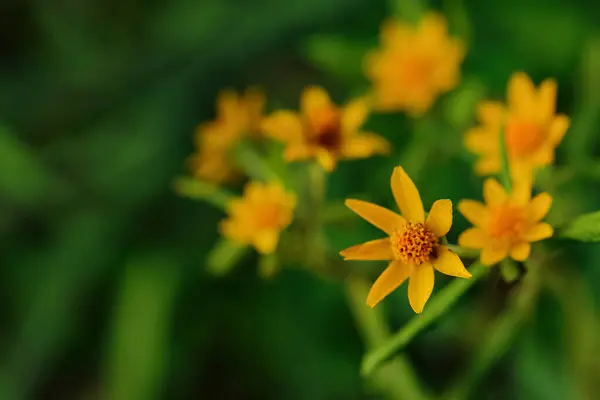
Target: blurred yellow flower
412, 246
259, 216
414, 65
237, 116
533, 130
323, 131
506, 224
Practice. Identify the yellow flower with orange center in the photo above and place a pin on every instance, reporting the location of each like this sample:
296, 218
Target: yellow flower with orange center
530, 124
413, 243
259, 216
324, 131
506, 224
414, 65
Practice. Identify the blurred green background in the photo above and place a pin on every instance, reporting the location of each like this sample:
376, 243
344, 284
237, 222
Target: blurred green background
103, 290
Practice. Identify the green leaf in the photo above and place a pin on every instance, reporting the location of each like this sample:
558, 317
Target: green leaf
254, 164
459, 107
409, 10
337, 55
196, 189
224, 256
585, 228
509, 271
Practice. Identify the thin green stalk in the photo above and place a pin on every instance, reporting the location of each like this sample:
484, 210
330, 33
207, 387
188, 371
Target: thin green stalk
397, 379
437, 306
199, 190
505, 168
317, 181
462, 252
500, 335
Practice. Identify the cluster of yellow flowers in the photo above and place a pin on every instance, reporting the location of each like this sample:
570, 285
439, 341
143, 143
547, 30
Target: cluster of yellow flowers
413, 67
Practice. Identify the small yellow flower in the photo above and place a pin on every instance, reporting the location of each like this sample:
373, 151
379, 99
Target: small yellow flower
413, 244
323, 131
414, 65
259, 216
533, 130
506, 224
242, 112
211, 161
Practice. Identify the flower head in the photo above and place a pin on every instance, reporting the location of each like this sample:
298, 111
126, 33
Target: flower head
414, 65
211, 161
412, 245
506, 224
258, 217
324, 131
242, 113
531, 127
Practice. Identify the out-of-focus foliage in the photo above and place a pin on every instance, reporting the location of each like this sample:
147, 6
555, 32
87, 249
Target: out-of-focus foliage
105, 291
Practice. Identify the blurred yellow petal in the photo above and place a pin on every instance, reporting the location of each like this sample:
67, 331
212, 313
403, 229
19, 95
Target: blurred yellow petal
520, 252
420, 287
490, 112
393, 276
266, 241
284, 126
492, 255
478, 140
326, 160
547, 99
407, 196
448, 263
493, 192
439, 219
473, 238
521, 189
313, 101
521, 94
354, 115
228, 104
558, 128
299, 151
379, 249
475, 212
539, 207
363, 145
378, 216
539, 232
487, 166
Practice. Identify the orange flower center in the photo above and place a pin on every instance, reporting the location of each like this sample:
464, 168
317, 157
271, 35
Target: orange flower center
415, 245
506, 222
267, 216
327, 130
523, 137
416, 70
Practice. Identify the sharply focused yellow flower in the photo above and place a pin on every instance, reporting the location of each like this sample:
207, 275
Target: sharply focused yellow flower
324, 131
506, 224
532, 128
413, 245
414, 65
259, 216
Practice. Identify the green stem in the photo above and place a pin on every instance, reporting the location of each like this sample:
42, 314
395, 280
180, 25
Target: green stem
434, 309
200, 190
397, 378
505, 167
462, 252
317, 188
500, 335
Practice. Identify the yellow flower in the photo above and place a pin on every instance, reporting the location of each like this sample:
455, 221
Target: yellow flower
242, 112
506, 224
211, 161
532, 128
414, 65
323, 131
413, 244
259, 216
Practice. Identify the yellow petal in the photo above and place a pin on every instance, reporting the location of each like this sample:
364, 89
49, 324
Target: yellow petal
520, 252
381, 217
539, 207
492, 255
474, 211
521, 94
297, 151
490, 112
363, 145
326, 160
420, 287
521, 187
488, 165
228, 104
479, 140
379, 249
447, 262
547, 99
266, 241
473, 238
439, 219
493, 192
354, 115
557, 130
407, 196
393, 276
539, 232
313, 101
284, 126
